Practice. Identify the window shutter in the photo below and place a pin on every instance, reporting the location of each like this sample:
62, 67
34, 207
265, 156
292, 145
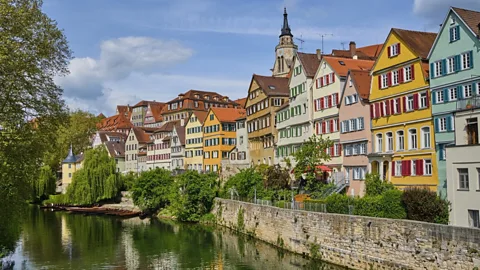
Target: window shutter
372, 115
333, 77
404, 168
339, 150
474, 88
330, 101
332, 152
321, 82
444, 66
321, 103
362, 122
451, 34
440, 150
445, 95
436, 124
434, 97
471, 57
399, 110
378, 112
317, 128
427, 101
458, 31
413, 72
316, 83
457, 63
459, 92
389, 48
419, 167
323, 127
393, 168
432, 70
327, 79
404, 101
388, 112
389, 79
400, 75
336, 99
415, 101
449, 123
398, 48
331, 125
409, 167
379, 81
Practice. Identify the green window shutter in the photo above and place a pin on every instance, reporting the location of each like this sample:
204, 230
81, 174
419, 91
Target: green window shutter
471, 58
458, 31
457, 62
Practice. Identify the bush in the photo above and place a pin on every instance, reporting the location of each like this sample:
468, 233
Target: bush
338, 203
375, 186
422, 204
391, 205
129, 180
369, 206
152, 189
244, 183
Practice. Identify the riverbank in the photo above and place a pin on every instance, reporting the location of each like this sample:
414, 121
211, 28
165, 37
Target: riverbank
354, 241
109, 210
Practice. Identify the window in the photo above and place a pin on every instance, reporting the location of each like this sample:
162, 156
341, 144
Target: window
352, 125
438, 69
395, 78
394, 49
389, 136
363, 148
413, 170
412, 142
463, 181
379, 143
410, 103
454, 33
211, 116
407, 73
348, 100
384, 81
466, 60
451, 65
425, 137
348, 150
396, 106
452, 94
442, 124
440, 97
473, 218
467, 91
69, 175
360, 124
398, 168
69, 166
427, 167
423, 100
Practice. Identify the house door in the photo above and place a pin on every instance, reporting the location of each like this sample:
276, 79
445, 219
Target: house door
385, 170
472, 131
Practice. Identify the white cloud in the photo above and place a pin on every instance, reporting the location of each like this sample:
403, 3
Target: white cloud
436, 10
87, 85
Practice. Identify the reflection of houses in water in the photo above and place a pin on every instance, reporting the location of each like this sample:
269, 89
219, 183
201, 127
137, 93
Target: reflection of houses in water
132, 258
66, 236
165, 261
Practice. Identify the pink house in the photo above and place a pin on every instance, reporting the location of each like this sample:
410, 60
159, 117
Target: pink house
355, 135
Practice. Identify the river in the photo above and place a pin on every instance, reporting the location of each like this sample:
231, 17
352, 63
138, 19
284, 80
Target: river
59, 240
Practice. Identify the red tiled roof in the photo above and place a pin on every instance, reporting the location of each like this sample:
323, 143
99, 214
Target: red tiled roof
200, 115
189, 98
370, 52
341, 66
228, 114
168, 127
181, 134
419, 42
143, 134
115, 122
103, 135
470, 17
241, 102
156, 109
101, 116
143, 103
309, 62
116, 149
272, 86
362, 81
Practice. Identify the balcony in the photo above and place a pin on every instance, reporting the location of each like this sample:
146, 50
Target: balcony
468, 103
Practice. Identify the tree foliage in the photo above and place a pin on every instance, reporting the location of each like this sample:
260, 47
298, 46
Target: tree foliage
46, 183
152, 189
97, 180
244, 183
276, 178
422, 204
375, 185
32, 52
193, 194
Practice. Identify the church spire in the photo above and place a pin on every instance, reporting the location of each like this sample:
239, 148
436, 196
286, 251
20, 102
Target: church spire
286, 31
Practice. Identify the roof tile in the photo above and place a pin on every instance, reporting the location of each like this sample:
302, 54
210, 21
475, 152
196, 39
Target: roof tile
310, 63
272, 86
419, 42
341, 66
228, 114
470, 17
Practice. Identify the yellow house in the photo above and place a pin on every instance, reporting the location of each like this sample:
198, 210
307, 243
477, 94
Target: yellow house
402, 128
265, 96
70, 165
194, 141
219, 136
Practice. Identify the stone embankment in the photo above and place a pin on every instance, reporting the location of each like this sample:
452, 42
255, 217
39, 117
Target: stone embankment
354, 241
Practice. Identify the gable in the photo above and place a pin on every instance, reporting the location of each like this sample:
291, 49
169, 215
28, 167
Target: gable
255, 93
384, 61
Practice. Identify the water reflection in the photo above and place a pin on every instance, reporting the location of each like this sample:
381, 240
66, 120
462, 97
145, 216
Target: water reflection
58, 240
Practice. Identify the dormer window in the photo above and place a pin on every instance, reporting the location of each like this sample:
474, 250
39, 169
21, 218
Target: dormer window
215, 98
207, 97
454, 33
394, 50
271, 87
196, 96
452, 20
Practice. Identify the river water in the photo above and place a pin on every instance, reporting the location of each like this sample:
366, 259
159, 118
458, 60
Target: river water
59, 240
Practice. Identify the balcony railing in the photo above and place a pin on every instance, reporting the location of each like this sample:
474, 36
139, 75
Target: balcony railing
468, 103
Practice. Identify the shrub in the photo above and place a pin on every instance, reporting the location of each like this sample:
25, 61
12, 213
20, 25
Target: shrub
391, 205
375, 186
338, 203
368, 206
129, 180
422, 204
244, 183
152, 189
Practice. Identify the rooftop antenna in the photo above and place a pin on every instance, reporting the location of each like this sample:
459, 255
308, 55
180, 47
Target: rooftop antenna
324, 35
343, 45
301, 42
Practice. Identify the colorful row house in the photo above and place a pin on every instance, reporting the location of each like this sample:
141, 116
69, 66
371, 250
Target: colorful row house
194, 141
402, 127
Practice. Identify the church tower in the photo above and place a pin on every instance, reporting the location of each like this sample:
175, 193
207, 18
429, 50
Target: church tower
285, 50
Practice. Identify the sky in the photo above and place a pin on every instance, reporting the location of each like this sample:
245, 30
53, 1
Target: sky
131, 50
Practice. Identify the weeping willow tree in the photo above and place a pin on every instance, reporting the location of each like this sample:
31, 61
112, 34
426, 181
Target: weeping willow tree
96, 180
46, 183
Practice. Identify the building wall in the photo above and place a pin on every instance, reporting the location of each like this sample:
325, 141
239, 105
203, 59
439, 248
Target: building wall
301, 121
195, 162
327, 114
67, 173
131, 153
234, 164
177, 156
120, 164
361, 108
463, 157
211, 163
355, 242
138, 114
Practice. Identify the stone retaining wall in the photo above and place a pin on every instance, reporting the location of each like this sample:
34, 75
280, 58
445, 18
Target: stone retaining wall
354, 241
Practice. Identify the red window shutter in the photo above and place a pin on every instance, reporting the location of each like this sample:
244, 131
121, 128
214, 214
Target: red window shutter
404, 100
393, 168
339, 150
372, 116
379, 81
327, 79
317, 127
331, 125
398, 106
403, 168
377, 110
400, 75
413, 72
420, 167
323, 127
389, 79
333, 77
315, 105
336, 99
321, 81
428, 99
321, 103
398, 48
415, 101
330, 98
316, 83
389, 51
392, 106
409, 167
387, 104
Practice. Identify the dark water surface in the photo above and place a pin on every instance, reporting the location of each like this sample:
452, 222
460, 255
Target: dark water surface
59, 240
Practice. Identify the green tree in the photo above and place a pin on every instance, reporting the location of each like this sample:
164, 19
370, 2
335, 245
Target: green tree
193, 194
32, 52
422, 204
152, 189
276, 178
46, 183
244, 183
312, 154
376, 186
97, 180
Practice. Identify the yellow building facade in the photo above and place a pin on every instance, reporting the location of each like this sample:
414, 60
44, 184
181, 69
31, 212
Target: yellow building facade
194, 141
219, 136
403, 149
265, 95
70, 165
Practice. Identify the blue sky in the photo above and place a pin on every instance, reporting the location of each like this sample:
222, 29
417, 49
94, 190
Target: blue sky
129, 50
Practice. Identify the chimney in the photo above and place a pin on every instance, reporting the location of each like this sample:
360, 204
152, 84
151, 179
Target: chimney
353, 48
355, 57
319, 54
